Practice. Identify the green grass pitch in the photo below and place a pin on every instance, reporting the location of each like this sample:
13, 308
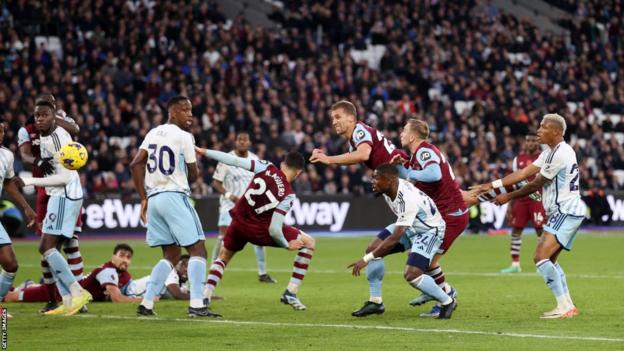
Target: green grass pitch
495, 311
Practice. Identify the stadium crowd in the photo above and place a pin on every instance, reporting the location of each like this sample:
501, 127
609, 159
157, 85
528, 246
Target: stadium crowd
480, 77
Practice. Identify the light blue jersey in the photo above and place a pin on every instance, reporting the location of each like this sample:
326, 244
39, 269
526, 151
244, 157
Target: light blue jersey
562, 193
6, 172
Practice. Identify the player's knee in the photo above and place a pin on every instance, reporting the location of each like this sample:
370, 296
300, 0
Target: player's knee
11, 267
308, 240
412, 273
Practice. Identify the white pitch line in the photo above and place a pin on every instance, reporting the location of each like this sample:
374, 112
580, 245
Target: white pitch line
365, 327
334, 271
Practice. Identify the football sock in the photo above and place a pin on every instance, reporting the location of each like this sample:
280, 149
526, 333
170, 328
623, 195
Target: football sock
62, 288
6, 281
260, 259
564, 284
428, 286
60, 269
214, 276
156, 282
552, 277
74, 258
48, 280
375, 273
196, 277
516, 243
300, 267
217, 248
438, 276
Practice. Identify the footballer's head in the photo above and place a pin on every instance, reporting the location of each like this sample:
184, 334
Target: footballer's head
552, 129
242, 143
293, 165
385, 178
180, 111
46, 97
44, 115
414, 130
344, 117
531, 142
122, 256
182, 267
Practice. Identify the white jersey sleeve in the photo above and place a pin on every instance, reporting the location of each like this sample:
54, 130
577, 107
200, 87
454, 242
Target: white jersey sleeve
6, 166
406, 210
23, 137
514, 164
108, 276
220, 172
172, 278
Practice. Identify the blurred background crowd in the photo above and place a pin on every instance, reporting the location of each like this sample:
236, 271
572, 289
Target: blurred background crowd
480, 77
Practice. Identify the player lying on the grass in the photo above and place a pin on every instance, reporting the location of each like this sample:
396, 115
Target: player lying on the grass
429, 171
161, 171
63, 187
103, 283
8, 261
258, 218
176, 285
556, 170
522, 210
419, 228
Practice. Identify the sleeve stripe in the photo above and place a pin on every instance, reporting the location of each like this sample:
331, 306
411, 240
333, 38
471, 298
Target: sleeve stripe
253, 165
428, 163
552, 154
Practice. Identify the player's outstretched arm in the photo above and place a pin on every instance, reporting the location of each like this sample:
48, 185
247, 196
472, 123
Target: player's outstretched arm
116, 296
16, 195
430, 174
527, 189
67, 123
361, 154
508, 180
61, 178
226, 158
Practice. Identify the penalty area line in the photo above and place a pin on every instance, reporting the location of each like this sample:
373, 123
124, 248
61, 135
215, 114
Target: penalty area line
360, 327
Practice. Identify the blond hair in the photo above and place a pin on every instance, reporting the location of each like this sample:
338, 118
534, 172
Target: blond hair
419, 127
557, 119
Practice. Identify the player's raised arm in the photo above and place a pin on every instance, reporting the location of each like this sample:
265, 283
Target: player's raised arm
67, 123
361, 154
229, 159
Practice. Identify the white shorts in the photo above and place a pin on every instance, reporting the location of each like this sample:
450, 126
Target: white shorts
224, 218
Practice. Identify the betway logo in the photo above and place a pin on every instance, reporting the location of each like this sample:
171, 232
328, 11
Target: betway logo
495, 214
112, 213
617, 206
332, 214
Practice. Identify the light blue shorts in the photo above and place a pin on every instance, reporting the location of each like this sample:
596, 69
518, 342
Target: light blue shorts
425, 244
61, 216
171, 220
224, 218
564, 227
4, 236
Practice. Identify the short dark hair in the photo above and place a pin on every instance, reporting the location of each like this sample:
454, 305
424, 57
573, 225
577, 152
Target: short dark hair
123, 246
346, 106
176, 100
45, 103
295, 160
185, 257
45, 97
388, 170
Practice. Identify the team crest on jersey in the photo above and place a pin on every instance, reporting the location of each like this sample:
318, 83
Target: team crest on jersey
425, 156
359, 135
